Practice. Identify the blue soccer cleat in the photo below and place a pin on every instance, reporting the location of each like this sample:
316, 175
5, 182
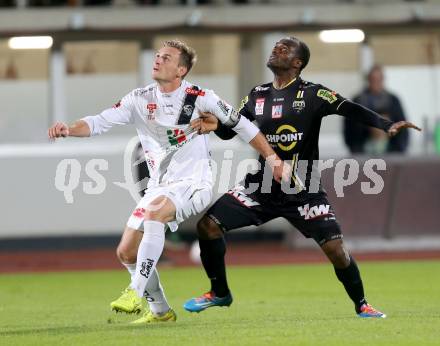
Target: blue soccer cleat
207, 300
367, 311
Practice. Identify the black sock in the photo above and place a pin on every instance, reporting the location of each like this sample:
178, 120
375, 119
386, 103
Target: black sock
351, 279
212, 254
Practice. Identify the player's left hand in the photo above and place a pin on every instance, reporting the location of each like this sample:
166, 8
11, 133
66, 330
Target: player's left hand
400, 125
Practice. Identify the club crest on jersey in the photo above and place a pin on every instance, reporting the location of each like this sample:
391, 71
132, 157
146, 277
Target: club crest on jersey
277, 111
176, 136
151, 109
259, 106
299, 105
188, 110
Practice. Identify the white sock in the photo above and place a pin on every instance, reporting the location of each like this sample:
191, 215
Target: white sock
131, 267
155, 296
149, 251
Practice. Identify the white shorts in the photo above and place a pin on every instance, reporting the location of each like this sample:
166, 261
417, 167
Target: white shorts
188, 197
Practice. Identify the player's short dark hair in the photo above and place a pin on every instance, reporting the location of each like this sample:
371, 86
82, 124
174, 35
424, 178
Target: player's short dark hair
302, 51
188, 56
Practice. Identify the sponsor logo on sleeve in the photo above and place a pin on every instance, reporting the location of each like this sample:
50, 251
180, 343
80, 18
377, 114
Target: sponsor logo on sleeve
259, 106
223, 107
243, 103
327, 95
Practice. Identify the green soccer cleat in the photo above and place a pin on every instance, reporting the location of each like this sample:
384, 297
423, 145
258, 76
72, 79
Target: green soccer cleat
149, 317
128, 302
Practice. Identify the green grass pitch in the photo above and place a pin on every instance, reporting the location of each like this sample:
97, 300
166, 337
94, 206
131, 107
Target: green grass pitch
274, 305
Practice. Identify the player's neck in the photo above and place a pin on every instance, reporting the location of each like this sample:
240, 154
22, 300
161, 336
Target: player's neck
168, 86
281, 80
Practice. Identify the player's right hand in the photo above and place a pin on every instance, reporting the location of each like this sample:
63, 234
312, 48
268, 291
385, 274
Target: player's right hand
58, 130
282, 171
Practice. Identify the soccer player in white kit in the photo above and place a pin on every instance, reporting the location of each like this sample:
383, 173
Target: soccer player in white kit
178, 159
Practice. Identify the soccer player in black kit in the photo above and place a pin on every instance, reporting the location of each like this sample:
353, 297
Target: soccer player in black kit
289, 112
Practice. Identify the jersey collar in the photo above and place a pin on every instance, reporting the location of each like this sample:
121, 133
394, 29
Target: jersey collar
287, 85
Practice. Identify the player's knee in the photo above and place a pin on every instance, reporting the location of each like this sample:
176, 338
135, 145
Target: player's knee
126, 255
208, 229
156, 215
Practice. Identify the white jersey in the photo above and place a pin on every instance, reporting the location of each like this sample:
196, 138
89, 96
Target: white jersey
173, 152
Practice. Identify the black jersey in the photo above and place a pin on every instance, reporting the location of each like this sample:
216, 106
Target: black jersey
290, 118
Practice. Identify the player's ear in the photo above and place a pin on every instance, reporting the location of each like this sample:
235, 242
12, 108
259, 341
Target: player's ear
181, 71
297, 63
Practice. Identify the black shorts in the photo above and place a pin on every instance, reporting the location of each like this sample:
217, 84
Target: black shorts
311, 214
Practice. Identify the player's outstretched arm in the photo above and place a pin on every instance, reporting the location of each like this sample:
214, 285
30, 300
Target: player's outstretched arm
78, 129
368, 117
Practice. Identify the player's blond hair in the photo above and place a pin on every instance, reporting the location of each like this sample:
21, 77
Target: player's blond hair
188, 56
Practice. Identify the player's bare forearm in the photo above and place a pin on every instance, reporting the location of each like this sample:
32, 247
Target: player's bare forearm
260, 144
79, 129
280, 170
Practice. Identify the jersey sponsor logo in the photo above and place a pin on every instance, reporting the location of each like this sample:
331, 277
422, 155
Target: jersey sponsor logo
277, 111
146, 268
176, 136
260, 88
285, 137
244, 199
117, 104
299, 105
194, 92
315, 211
327, 95
151, 109
223, 107
259, 106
